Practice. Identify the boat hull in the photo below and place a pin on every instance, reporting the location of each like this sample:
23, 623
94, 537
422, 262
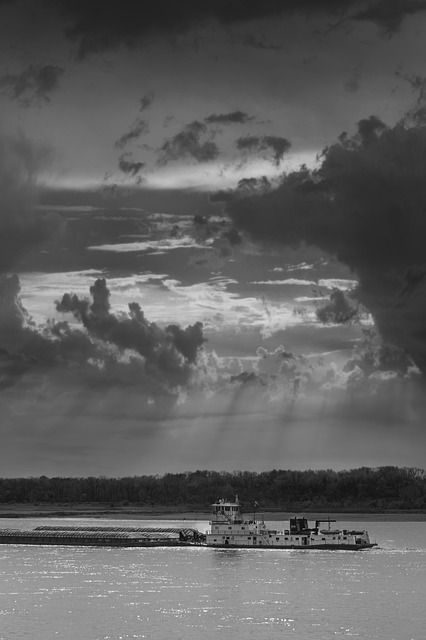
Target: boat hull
319, 547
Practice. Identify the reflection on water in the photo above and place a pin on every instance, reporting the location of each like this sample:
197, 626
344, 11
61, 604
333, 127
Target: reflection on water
190, 593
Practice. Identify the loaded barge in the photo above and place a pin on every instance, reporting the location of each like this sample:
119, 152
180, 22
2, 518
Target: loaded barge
229, 529
104, 536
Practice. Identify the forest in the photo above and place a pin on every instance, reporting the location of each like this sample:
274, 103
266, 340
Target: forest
363, 489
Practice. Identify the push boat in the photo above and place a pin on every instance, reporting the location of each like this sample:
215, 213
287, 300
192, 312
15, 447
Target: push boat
229, 529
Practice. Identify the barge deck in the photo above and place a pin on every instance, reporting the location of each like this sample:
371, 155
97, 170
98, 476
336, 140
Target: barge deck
103, 536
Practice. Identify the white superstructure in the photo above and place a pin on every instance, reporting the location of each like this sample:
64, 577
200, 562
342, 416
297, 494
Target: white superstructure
229, 529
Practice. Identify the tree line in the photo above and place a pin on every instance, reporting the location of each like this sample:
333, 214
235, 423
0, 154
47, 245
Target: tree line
356, 489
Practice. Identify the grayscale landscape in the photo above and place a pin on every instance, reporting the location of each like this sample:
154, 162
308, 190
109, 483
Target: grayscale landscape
213, 283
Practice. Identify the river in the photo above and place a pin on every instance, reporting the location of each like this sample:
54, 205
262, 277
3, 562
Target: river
90, 593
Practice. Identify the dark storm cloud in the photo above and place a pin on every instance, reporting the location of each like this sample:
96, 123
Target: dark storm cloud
129, 166
193, 142
22, 228
13, 316
33, 86
136, 130
99, 26
108, 349
389, 14
33, 349
366, 205
248, 143
168, 350
256, 144
338, 310
234, 117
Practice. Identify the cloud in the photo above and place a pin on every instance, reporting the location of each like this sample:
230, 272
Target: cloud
146, 101
354, 82
250, 40
352, 85
371, 383
330, 283
365, 205
338, 310
157, 247
22, 228
169, 350
115, 381
389, 14
33, 86
255, 144
129, 166
193, 142
105, 348
417, 83
136, 130
417, 113
13, 316
234, 117
98, 27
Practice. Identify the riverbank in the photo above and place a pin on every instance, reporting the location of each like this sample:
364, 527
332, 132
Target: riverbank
169, 512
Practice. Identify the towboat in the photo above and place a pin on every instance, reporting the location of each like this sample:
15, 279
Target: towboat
228, 528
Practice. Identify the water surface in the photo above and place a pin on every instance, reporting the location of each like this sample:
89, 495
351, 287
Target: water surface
91, 593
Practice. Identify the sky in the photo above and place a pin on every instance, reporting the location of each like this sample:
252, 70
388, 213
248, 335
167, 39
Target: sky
212, 231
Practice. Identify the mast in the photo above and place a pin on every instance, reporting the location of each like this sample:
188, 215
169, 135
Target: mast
255, 504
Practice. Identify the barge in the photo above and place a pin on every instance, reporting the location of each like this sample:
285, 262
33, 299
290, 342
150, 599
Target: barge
228, 529
103, 536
